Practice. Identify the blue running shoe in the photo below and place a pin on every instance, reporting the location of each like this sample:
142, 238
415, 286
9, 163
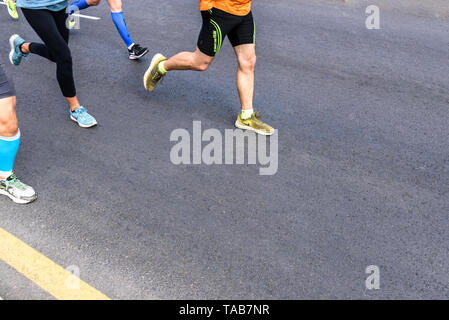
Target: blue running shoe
83, 119
16, 55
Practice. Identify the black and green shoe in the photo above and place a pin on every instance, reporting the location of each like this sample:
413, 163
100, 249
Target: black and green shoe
16, 190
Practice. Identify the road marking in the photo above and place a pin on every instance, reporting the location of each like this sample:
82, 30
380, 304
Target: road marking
42, 271
75, 14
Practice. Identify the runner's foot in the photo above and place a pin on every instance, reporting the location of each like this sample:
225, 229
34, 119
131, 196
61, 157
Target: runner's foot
137, 52
83, 118
16, 55
255, 124
153, 74
16, 190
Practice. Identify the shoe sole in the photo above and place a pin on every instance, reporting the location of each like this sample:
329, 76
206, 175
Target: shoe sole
242, 126
17, 200
11, 44
156, 59
83, 125
139, 56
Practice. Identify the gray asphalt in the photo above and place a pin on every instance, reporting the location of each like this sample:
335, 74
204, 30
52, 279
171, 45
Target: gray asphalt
363, 159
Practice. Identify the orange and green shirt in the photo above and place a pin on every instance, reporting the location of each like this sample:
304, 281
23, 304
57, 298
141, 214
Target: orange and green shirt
235, 7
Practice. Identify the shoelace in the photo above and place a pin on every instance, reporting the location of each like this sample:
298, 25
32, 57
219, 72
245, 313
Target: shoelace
256, 117
157, 75
137, 48
82, 113
14, 182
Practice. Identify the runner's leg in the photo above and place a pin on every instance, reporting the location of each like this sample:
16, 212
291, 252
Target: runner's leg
45, 25
196, 61
9, 145
119, 21
243, 39
246, 56
51, 28
209, 43
135, 50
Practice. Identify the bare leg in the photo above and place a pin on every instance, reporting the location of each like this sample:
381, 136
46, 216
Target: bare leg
246, 56
25, 48
93, 2
197, 61
115, 5
8, 120
73, 103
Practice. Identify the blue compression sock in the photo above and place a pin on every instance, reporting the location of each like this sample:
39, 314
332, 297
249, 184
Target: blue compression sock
77, 5
8, 152
119, 21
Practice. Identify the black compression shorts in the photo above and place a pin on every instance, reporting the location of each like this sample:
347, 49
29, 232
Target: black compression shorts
218, 24
6, 86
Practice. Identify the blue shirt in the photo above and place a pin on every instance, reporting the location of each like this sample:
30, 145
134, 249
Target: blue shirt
53, 5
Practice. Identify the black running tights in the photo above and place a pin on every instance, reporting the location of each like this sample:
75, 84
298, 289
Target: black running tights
51, 27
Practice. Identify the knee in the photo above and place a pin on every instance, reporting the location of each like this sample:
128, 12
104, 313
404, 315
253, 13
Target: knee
116, 6
248, 63
203, 66
93, 3
9, 125
64, 56
12, 127
9, 129
202, 63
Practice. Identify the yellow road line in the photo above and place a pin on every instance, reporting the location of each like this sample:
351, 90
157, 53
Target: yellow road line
42, 271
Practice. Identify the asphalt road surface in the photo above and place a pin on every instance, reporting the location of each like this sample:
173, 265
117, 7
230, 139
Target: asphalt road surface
363, 173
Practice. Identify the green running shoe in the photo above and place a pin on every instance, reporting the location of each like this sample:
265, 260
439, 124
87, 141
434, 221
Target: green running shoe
255, 124
12, 9
153, 75
16, 190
